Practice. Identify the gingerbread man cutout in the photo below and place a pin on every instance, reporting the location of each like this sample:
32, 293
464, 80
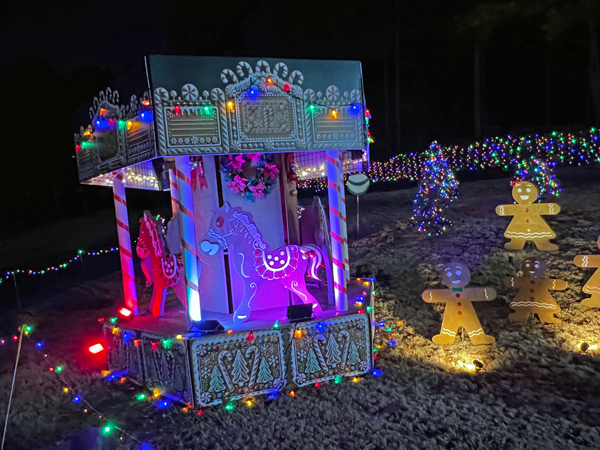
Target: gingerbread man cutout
534, 296
528, 224
459, 309
592, 287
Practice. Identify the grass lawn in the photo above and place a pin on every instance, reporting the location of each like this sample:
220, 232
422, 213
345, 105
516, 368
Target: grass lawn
536, 390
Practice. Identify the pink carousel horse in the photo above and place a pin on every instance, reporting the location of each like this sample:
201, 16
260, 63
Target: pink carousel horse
232, 230
162, 270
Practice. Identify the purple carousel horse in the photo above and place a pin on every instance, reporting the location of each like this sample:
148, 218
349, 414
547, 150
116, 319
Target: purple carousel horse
232, 230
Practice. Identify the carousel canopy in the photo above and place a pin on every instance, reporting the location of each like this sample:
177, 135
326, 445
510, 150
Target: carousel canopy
216, 105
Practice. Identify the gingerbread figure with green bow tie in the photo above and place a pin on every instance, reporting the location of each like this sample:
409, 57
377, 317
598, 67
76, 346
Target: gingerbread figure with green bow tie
459, 308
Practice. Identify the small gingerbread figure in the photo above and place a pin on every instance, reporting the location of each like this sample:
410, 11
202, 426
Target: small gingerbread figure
592, 287
528, 224
459, 309
534, 296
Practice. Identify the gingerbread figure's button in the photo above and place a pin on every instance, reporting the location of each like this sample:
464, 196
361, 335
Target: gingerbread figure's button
532, 290
458, 304
532, 281
457, 295
526, 210
532, 298
527, 221
459, 313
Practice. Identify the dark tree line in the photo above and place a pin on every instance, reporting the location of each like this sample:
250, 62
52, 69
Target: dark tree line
433, 70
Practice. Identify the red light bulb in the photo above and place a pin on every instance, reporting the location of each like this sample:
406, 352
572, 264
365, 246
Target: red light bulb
250, 337
286, 88
155, 346
177, 110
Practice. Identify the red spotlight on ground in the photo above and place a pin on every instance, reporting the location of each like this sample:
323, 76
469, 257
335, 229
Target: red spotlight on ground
125, 313
96, 348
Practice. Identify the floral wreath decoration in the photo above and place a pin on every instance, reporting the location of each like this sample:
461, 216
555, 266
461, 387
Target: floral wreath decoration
250, 175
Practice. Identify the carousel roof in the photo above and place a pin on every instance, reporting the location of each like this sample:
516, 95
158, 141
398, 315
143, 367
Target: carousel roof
221, 105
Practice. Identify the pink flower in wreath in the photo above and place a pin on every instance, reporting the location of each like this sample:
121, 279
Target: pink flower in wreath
270, 171
258, 190
254, 157
237, 185
236, 162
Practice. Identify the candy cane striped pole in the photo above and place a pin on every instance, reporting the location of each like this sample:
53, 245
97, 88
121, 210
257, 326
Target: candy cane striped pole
336, 218
188, 236
343, 211
174, 192
125, 244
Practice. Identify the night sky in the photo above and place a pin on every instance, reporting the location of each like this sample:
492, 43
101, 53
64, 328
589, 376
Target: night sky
57, 55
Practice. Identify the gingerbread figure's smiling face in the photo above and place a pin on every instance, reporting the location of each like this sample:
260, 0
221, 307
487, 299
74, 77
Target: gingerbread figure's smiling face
525, 193
456, 275
533, 267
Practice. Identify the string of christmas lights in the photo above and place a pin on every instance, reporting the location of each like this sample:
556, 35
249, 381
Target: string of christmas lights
108, 427
541, 152
541, 173
58, 267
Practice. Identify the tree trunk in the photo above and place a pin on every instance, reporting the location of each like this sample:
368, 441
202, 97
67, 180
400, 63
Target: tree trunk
477, 89
548, 87
397, 80
594, 71
386, 96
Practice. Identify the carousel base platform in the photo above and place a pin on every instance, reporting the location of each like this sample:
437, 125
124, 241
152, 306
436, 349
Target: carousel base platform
261, 356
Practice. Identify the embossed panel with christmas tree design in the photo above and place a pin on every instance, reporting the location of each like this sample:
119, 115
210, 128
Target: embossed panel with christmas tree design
232, 367
329, 348
167, 367
123, 356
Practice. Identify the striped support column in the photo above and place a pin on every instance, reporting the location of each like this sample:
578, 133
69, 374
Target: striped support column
344, 223
336, 218
125, 244
188, 236
174, 192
